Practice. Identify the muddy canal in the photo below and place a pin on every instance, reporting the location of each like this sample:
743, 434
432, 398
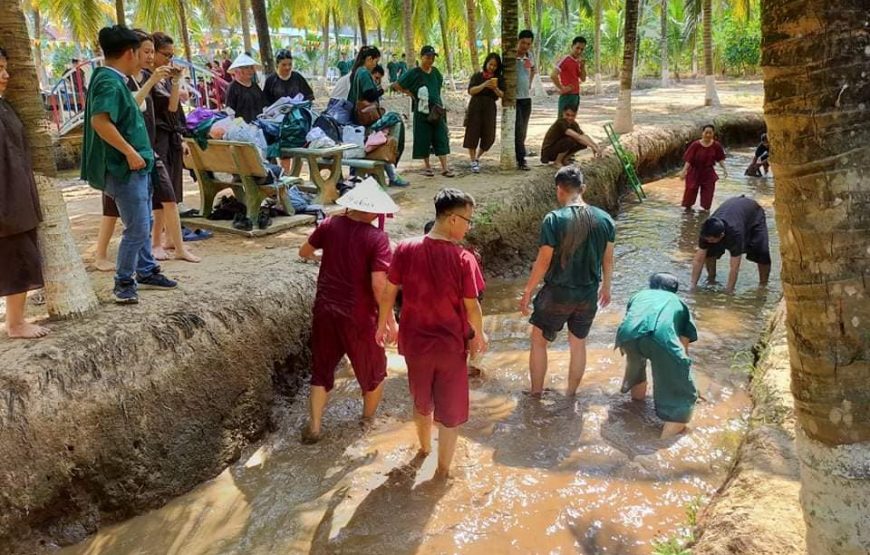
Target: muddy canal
559, 475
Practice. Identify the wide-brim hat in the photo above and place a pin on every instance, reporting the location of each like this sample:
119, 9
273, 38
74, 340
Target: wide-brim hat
368, 196
243, 60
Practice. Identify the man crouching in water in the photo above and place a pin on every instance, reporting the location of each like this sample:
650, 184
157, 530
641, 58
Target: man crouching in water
352, 279
575, 261
441, 321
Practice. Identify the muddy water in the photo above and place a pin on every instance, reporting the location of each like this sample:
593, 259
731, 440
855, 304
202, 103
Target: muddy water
559, 475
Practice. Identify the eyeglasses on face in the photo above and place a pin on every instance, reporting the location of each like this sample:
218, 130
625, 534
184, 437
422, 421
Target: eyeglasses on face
467, 220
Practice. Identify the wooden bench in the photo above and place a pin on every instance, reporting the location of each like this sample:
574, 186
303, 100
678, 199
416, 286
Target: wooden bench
364, 167
237, 158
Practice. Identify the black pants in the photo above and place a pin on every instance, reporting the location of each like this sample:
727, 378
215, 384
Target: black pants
524, 112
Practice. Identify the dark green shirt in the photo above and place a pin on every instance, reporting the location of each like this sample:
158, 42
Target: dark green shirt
344, 66
363, 82
581, 269
393, 70
660, 314
416, 78
108, 94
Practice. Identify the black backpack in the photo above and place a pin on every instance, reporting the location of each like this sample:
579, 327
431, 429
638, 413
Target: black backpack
330, 127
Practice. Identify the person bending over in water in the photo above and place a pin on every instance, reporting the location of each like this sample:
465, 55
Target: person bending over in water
658, 327
761, 160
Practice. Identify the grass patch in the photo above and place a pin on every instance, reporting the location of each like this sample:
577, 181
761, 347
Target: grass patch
677, 544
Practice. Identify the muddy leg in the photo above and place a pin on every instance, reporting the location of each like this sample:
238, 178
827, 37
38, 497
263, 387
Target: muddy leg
638, 392
371, 400
317, 402
671, 429
538, 361
763, 274
424, 431
577, 365
446, 448
710, 263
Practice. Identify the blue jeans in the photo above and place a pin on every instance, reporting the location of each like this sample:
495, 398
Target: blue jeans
134, 205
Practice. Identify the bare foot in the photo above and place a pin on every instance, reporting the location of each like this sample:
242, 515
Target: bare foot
26, 331
187, 255
104, 265
441, 474
159, 253
309, 437
672, 429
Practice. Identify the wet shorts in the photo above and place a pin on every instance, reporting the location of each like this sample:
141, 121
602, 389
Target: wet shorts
554, 306
757, 246
439, 383
333, 336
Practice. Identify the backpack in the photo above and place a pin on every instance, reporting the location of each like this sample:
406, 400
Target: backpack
330, 127
295, 126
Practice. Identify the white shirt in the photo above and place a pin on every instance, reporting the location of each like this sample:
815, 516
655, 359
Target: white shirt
341, 88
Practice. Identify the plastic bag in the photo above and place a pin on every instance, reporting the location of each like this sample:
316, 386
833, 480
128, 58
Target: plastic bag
355, 135
243, 132
318, 139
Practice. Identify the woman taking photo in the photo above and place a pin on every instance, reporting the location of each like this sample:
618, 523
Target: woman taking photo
485, 88
698, 170
19, 217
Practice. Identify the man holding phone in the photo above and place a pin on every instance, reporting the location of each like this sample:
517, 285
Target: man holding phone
526, 71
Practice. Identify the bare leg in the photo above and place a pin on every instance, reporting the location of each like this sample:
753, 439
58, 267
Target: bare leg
577, 365
426, 164
16, 327
763, 274
710, 263
446, 448
638, 392
480, 153
172, 223
560, 159
316, 403
371, 400
538, 361
424, 431
471, 154
671, 429
157, 237
107, 228
443, 160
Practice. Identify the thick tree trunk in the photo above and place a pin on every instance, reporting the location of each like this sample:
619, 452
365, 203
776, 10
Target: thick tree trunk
37, 48
325, 42
361, 21
815, 64
596, 45
185, 31
262, 24
509, 32
246, 25
445, 45
408, 28
527, 14
471, 25
68, 290
664, 45
119, 12
622, 122
711, 97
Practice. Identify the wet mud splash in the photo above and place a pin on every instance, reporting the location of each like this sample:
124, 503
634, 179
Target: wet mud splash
559, 475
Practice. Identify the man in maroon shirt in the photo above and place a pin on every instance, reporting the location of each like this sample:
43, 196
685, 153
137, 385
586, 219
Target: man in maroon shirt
352, 279
441, 321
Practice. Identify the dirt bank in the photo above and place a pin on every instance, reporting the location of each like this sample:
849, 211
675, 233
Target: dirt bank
757, 511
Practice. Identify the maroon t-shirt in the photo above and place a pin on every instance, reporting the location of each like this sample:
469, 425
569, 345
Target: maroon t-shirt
702, 159
352, 251
436, 276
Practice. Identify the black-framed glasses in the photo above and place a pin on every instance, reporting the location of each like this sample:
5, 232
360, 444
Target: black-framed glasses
467, 220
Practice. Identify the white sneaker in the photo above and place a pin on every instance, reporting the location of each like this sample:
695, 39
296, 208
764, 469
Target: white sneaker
475, 166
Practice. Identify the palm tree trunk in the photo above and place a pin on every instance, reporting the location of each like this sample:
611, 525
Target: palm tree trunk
37, 48
711, 97
262, 25
68, 290
527, 14
565, 11
445, 45
638, 39
325, 42
695, 55
380, 35
819, 129
509, 32
185, 31
471, 17
336, 31
361, 19
119, 12
622, 122
407, 13
246, 25
596, 45
664, 44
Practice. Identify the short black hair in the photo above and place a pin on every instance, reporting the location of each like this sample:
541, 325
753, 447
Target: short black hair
570, 177
428, 227
116, 40
664, 281
143, 36
711, 126
378, 69
571, 107
161, 40
712, 227
763, 137
578, 40
3, 53
448, 199
526, 34
283, 54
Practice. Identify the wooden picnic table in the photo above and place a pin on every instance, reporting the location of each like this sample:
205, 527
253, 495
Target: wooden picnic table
327, 187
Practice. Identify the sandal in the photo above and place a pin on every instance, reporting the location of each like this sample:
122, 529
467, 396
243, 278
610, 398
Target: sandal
448, 173
429, 172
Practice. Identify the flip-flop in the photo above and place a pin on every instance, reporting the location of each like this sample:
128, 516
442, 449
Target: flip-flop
429, 172
199, 235
448, 173
189, 213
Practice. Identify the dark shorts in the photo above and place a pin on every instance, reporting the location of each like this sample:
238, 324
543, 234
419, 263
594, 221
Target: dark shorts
161, 192
554, 306
334, 336
565, 145
757, 246
439, 383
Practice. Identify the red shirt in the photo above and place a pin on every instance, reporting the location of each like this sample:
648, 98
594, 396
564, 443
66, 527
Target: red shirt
436, 276
702, 160
352, 251
570, 73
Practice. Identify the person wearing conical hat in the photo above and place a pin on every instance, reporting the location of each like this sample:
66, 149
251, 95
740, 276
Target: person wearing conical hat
244, 96
353, 275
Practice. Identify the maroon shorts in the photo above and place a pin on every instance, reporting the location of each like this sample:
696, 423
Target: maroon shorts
439, 382
332, 337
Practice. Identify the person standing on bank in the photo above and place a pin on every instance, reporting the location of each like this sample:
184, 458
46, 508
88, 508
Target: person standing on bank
117, 158
485, 88
431, 136
526, 71
575, 261
739, 226
244, 96
568, 74
350, 285
698, 169
285, 81
658, 327
441, 321
19, 217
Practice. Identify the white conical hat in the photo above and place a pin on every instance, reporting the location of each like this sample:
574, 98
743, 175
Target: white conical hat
368, 197
243, 60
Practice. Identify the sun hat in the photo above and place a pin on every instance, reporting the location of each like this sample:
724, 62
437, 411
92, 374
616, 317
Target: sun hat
368, 196
243, 60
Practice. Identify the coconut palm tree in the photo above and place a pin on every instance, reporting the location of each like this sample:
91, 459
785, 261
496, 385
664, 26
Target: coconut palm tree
814, 57
596, 45
408, 29
471, 18
509, 32
664, 43
711, 97
261, 22
246, 24
68, 290
119, 12
622, 122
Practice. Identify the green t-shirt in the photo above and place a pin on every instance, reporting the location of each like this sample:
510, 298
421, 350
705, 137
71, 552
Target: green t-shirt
362, 83
660, 314
416, 78
108, 94
580, 269
344, 66
393, 70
